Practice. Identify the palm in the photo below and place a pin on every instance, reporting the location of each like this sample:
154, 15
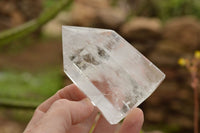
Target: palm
68, 116
102, 126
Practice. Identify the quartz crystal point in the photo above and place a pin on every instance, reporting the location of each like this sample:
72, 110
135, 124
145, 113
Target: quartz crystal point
111, 72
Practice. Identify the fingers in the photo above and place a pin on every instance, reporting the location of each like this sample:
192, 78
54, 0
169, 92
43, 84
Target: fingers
36, 117
133, 122
64, 113
85, 126
103, 126
70, 92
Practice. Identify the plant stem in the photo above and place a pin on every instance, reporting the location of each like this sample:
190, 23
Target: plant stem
194, 85
196, 110
27, 28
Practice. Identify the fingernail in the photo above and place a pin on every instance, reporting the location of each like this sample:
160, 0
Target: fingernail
88, 102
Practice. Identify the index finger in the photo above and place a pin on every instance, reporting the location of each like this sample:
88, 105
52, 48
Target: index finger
70, 92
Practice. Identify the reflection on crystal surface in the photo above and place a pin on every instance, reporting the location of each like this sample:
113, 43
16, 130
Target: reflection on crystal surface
112, 73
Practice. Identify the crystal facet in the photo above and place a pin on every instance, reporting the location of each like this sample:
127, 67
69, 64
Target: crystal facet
111, 72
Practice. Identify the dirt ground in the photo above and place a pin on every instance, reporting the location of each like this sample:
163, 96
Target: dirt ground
34, 56
10, 126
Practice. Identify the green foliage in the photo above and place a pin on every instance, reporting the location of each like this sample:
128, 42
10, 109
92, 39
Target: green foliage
48, 3
28, 89
166, 9
173, 8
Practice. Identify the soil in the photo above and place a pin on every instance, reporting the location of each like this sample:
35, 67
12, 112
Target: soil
33, 57
10, 126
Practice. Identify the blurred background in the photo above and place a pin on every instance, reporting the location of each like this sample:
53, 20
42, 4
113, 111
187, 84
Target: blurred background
31, 53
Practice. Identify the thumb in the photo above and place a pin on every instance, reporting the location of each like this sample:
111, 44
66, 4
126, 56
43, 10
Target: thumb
64, 113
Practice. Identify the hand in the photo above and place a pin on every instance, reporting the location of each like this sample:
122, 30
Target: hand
69, 111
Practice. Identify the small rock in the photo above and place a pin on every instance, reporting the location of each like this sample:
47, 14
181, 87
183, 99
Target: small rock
54, 27
167, 53
97, 14
83, 15
142, 29
110, 18
184, 31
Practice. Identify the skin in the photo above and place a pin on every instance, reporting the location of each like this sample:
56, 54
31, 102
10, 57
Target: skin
69, 111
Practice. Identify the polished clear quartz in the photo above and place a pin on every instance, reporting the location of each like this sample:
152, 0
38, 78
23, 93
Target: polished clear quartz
111, 72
